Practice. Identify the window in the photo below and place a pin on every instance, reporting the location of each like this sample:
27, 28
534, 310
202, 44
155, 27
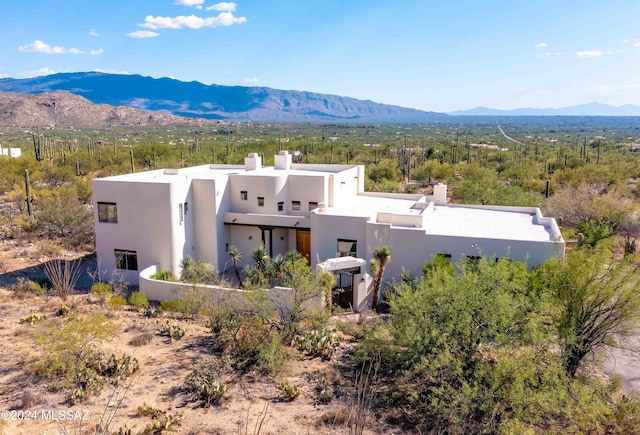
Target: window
181, 213
261, 201
295, 205
186, 207
243, 195
126, 260
280, 206
313, 205
108, 212
347, 248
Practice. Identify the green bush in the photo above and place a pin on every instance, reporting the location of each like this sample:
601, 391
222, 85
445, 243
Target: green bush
138, 300
72, 359
178, 305
116, 302
102, 289
25, 287
164, 275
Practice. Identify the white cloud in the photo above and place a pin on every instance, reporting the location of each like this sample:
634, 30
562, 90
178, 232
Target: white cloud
616, 52
251, 80
541, 45
192, 22
191, 3
38, 46
222, 6
518, 89
46, 71
93, 32
4, 76
110, 71
545, 54
637, 44
589, 53
140, 34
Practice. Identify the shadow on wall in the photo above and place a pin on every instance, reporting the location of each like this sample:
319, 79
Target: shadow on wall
87, 267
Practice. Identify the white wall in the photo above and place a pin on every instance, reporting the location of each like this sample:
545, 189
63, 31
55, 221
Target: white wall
145, 225
326, 229
344, 186
306, 188
271, 188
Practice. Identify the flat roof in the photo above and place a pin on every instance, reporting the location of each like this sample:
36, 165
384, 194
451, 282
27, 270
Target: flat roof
206, 172
501, 223
475, 222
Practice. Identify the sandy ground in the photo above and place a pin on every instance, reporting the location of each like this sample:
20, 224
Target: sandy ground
252, 403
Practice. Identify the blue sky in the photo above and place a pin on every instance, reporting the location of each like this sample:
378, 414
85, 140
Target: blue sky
432, 55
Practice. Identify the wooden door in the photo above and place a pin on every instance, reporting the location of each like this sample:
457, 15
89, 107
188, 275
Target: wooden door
303, 244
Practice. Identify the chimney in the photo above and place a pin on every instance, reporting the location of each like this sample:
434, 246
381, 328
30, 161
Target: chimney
440, 194
282, 160
253, 162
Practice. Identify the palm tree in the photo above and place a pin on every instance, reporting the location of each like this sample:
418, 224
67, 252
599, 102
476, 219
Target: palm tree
236, 256
382, 255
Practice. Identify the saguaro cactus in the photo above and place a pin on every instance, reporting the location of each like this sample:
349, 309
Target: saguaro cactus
28, 191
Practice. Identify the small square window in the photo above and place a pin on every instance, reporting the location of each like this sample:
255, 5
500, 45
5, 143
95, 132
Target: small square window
107, 212
261, 201
243, 195
126, 260
313, 205
347, 248
295, 205
280, 206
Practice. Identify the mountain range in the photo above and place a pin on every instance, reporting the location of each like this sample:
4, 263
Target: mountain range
195, 99
166, 96
591, 109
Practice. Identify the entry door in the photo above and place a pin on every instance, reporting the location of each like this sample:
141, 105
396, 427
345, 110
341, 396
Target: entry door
303, 244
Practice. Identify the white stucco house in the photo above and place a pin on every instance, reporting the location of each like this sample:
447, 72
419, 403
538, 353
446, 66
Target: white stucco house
10, 152
159, 217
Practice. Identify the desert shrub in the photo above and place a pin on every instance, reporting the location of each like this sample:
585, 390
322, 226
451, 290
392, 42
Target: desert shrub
72, 359
288, 392
138, 300
63, 275
102, 289
116, 301
336, 417
141, 339
203, 382
177, 305
164, 275
30, 399
173, 331
24, 287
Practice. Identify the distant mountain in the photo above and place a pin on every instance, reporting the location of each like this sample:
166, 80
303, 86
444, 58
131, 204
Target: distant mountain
195, 99
591, 109
62, 108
